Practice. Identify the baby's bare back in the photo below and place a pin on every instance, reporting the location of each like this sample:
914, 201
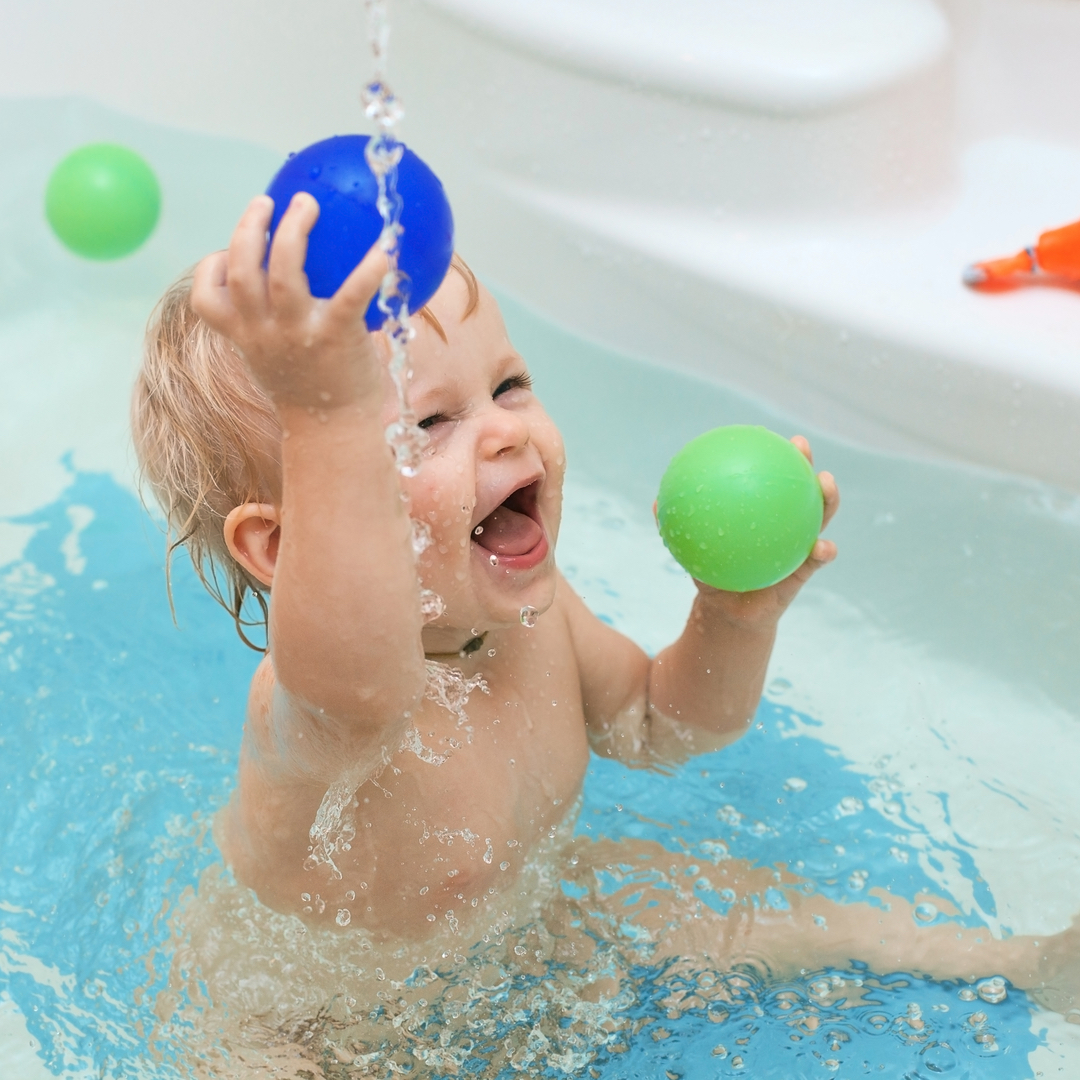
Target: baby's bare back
442, 828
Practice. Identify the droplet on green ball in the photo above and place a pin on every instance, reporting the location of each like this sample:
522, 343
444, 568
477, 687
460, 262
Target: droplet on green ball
103, 201
723, 474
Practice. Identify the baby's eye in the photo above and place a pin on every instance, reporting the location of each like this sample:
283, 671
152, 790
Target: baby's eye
515, 382
431, 421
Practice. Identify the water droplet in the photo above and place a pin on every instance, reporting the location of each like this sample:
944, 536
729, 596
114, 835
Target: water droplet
306, 897
407, 440
857, 880
494, 560
350, 895
504, 865
993, 991
966, 994
795, 783
344, 917
529, 615
491, 652
431, 605
478, 530
421, 536
849, 805
926, 912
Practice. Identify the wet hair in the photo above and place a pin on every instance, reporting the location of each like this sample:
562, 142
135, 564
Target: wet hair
208, 439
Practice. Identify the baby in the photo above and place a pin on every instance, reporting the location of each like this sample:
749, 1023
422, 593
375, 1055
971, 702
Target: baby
259, 418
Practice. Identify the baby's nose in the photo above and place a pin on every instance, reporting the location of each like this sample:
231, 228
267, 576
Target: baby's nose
504, 432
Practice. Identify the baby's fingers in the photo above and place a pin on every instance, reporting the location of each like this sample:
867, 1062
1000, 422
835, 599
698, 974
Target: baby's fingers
822, 553
352, 299
831, 494
802, 444
210, 293
288, 284
247, 287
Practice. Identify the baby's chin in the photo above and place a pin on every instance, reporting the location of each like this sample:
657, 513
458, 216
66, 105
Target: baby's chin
488, 607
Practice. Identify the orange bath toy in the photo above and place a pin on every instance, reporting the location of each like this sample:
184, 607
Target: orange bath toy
1057, 253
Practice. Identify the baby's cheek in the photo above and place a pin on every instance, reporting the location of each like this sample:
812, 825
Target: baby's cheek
554, 450
446, 512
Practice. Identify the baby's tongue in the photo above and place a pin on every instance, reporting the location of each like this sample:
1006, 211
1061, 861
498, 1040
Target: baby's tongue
507, 532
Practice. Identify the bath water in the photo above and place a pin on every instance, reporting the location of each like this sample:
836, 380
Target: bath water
916, 736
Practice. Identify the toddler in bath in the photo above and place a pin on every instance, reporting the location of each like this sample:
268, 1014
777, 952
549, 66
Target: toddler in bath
259, 417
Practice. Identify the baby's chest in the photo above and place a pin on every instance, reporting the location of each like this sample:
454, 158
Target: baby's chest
518, 746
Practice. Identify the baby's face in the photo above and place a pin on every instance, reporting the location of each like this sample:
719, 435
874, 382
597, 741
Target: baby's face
490, 486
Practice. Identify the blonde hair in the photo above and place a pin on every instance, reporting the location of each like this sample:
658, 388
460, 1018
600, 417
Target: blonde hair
208, 440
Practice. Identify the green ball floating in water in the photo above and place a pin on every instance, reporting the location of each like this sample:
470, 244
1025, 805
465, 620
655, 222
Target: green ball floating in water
740, 508
102, 201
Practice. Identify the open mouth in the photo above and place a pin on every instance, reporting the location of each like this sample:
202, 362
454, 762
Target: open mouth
513, 529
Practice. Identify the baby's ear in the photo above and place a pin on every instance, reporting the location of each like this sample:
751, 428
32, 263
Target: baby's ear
252, 535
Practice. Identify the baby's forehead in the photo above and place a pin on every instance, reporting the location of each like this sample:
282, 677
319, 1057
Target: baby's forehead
463, 319
459, 298
456, 288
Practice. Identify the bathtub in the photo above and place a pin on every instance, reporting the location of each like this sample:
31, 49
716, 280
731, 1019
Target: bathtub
823, 296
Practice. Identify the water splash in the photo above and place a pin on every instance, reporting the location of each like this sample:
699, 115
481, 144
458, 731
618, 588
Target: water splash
449, 688
383, 153
421, 537
993, 991
415, 745
334, 828
579, 986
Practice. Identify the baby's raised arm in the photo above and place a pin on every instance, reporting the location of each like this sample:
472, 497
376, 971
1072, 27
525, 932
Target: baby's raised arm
344, 628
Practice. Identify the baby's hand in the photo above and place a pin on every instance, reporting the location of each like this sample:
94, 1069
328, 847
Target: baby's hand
300, 350
764, 605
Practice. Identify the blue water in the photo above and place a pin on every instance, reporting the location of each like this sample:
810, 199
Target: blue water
119, 736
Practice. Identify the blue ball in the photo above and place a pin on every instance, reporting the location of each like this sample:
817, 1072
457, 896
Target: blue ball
335, 172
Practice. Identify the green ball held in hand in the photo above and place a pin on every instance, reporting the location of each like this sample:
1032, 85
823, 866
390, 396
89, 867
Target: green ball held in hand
102, 201
740, 508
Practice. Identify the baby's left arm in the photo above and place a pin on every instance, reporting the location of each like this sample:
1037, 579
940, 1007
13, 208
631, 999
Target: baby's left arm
713, 675
702, 691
